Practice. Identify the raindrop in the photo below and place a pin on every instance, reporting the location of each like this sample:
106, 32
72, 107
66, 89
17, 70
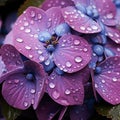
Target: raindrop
28, 47
67, 92
76, 42
51, 85
27, 30
25, 104
41, 58
68, 64
17, 81
19, 40
78, 59
32, 91
32, 14
114, 79
56, 95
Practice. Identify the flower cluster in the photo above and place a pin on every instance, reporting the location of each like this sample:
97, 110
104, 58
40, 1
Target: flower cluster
69, 46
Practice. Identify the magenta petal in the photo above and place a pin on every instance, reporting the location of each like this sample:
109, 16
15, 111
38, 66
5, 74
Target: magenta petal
55, 3
72, 54
40, 78
67, 89
20, 92
107, 83
106, 8
79, 21
54, 17
47, 109
26, 31
113, 33
11, 57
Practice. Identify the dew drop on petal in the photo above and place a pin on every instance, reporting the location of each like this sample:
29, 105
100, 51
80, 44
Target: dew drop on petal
78, 59
19, 40
25, 104
68, 64
76, 42
32, 91
41, 58
16, 81
51, 85
56, 95
114, 79
67, 92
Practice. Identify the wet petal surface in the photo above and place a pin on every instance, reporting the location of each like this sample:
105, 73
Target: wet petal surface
108, 81
72, 54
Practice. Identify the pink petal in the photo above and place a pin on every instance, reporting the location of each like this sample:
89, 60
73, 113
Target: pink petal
106, 9
113, 33
55, 3
11, 58
26, 31
107, 83
47, 109
67, 89
79, 21
54, 17
72, 53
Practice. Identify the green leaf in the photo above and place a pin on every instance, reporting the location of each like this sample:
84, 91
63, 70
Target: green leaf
2, 2
9, 112
109, 111
28, 3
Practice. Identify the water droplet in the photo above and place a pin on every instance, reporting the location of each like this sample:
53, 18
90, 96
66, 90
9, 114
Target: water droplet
68, 64
51, 85
32, 14
67, 92
28, 47
32, 91
78, 59
27, 30
39, 16
76, 42
40, 52
82, 28
85, 49
96, 86
103, 81
47, 62
26, 23
56, 95
41, 58
19, 40
114, 79
94, 27
25, 104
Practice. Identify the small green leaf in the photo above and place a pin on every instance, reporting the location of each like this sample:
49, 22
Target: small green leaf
28, 3
114, 112
2, 2
103, 108
9, 112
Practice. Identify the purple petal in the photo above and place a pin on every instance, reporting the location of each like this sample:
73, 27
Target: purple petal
106, 9
26, 31
107, 83
11, 57
47, 109
54, 17
67, 89
72, 54
55, 3
20, 92
80, 112
113, 33
79, 21
115, 48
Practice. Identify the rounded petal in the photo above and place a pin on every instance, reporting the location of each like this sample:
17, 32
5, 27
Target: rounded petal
26, 31
79, 21
47, 109
107, 83
55, 18
11, 57
72, 53
56, 3
20, 92
113, 33
67, 89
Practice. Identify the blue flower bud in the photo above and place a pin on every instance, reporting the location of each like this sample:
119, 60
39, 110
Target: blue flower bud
58, 71
89, 11
98, 70
44, 36
98, 49
109, 53
81, 8
50, 48
62, 29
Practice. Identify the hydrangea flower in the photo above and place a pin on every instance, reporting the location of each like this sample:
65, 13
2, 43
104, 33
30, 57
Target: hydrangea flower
44, 37
93, 17
25, 84
107, 79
